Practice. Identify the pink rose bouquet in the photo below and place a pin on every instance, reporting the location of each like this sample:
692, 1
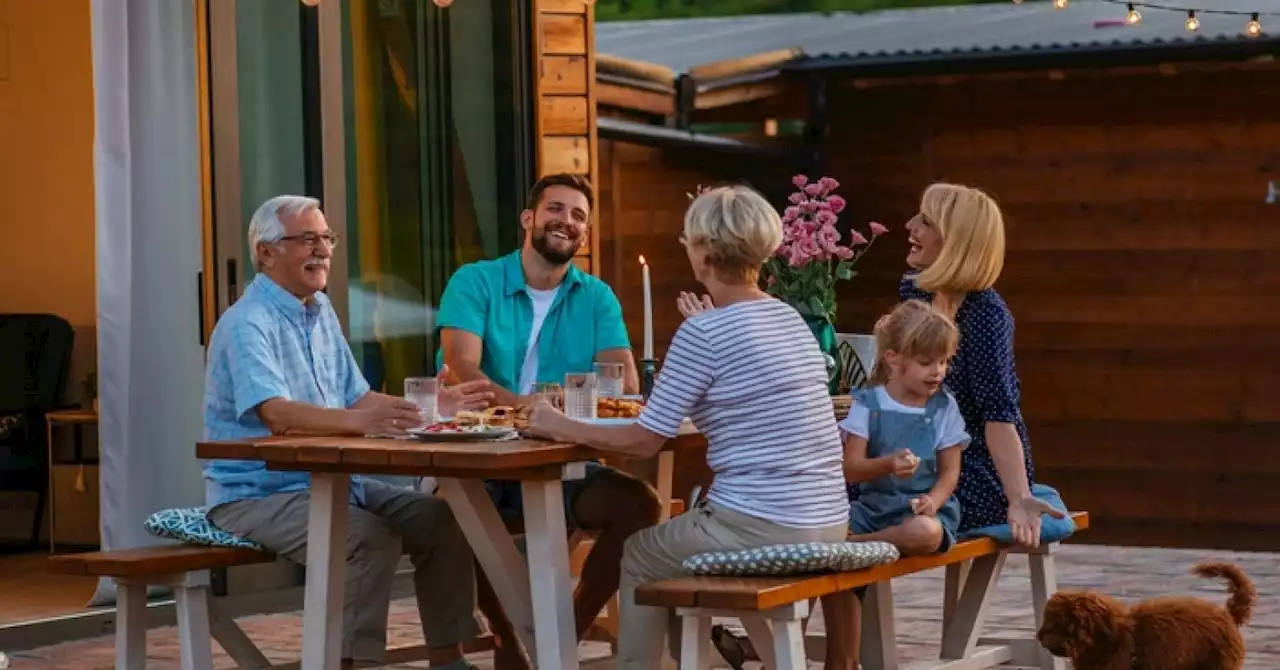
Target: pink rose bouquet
804, 270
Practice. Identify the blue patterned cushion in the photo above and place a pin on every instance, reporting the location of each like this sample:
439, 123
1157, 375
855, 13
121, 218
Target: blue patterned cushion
792, 559
1051, 529
191, 525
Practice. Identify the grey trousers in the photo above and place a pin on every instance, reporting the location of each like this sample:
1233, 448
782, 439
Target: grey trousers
392, 519
657, 553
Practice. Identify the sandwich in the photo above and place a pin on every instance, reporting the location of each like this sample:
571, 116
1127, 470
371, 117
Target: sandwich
500, 417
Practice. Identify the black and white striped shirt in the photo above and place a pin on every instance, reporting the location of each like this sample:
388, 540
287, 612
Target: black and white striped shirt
752, 379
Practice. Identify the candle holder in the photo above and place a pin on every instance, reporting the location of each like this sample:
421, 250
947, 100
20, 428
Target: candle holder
648, 370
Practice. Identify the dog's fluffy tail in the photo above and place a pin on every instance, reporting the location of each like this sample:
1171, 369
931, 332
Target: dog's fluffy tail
1240, 592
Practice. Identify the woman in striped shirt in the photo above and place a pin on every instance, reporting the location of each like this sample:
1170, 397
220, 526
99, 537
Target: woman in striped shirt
751, 377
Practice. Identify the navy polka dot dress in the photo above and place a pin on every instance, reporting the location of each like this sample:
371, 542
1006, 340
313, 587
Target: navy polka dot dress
984, 380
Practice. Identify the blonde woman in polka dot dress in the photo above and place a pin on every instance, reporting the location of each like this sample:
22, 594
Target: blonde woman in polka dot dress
957, 252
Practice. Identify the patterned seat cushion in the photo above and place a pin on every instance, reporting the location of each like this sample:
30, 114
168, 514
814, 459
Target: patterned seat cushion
192, 525
792, 559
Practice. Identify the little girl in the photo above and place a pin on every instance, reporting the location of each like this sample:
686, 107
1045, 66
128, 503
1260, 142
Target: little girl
904, 435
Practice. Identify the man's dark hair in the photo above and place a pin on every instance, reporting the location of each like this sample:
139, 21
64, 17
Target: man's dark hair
576, 182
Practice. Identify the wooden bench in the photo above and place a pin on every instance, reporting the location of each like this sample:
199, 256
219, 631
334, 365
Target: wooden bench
186, 569
772, 609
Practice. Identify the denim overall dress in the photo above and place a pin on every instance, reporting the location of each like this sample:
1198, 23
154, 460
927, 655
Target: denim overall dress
886, 502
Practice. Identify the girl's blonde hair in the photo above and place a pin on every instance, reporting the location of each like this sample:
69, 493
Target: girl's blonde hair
737, 227
972, 230
914, 329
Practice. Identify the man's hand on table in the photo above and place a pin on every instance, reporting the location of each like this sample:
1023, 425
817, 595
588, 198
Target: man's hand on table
473, 395
393, 416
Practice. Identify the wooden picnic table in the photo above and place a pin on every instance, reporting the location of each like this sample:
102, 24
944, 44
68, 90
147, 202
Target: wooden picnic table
540, 609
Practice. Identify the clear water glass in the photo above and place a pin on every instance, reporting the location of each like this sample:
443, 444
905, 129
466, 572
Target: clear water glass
421, 391
609, 379
580, 395
552, 393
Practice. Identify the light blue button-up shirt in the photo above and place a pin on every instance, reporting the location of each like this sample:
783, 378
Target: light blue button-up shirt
270, 344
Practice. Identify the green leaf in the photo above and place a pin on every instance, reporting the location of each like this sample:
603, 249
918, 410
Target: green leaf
815, 305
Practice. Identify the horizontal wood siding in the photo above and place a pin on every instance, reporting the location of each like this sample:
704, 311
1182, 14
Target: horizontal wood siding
566, 107
1141, 269
644, 194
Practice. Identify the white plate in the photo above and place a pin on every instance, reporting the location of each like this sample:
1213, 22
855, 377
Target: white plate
462, 435
619, 421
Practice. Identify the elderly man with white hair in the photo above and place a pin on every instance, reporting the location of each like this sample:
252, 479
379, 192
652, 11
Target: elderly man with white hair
278, 363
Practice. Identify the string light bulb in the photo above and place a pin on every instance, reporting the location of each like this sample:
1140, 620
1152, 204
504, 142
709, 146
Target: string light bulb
1133, 18
1254, 28
1059, 4
1193, 24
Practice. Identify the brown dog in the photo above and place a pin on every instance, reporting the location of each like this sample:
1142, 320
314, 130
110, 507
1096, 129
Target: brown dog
1173, 633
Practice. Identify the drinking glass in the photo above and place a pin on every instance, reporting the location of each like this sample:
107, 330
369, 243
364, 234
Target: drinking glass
580, 395
421, 391
552, 393
609, 379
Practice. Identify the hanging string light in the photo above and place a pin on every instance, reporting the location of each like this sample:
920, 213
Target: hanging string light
1133, 17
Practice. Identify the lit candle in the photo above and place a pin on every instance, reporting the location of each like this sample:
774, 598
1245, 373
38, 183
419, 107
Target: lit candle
648, 312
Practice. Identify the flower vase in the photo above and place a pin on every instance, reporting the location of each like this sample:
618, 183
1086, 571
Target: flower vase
825, 333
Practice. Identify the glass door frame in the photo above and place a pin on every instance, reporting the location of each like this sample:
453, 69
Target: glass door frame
324, 117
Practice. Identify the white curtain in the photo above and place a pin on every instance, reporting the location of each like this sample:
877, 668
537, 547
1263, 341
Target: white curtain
147, 181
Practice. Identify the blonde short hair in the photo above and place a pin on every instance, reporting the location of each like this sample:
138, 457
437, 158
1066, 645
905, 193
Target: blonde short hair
972, 230
914, 329
737, 227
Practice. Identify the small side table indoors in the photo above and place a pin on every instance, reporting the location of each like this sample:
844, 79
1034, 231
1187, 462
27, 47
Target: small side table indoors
77, 420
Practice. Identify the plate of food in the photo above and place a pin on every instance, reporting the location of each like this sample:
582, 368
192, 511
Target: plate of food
618, 408
609, 421
495, 423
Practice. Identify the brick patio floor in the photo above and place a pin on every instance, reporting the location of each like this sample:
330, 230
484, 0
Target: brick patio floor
1128, 573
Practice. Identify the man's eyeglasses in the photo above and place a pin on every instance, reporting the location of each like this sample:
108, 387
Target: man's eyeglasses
311, 239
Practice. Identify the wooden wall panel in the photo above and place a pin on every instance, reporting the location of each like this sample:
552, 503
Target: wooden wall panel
564, 115
566, 98
1141, 271
644, 194
563, 75
564, 34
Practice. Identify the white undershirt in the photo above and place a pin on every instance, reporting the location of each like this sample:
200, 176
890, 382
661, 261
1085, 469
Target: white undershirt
542, 300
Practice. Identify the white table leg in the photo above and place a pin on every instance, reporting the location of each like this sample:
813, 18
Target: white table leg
326, 571
494, 550
551, 585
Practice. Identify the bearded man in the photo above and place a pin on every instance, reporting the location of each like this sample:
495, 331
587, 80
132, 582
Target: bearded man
531, 317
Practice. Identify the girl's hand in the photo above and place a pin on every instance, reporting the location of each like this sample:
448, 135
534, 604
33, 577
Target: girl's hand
1024, 520
904, 463
689, 304
924, 506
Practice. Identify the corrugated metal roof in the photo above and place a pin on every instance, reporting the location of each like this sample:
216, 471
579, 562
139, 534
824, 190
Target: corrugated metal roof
923, 33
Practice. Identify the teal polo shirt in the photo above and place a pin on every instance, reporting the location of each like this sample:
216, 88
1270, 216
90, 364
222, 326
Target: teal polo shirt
490, 299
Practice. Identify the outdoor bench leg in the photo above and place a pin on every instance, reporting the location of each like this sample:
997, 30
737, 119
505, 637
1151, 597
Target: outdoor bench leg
131, 625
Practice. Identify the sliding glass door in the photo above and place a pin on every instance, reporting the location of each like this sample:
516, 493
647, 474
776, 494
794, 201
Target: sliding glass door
413, 125
438, 159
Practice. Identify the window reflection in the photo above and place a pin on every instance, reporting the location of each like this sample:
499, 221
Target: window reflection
438, 158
